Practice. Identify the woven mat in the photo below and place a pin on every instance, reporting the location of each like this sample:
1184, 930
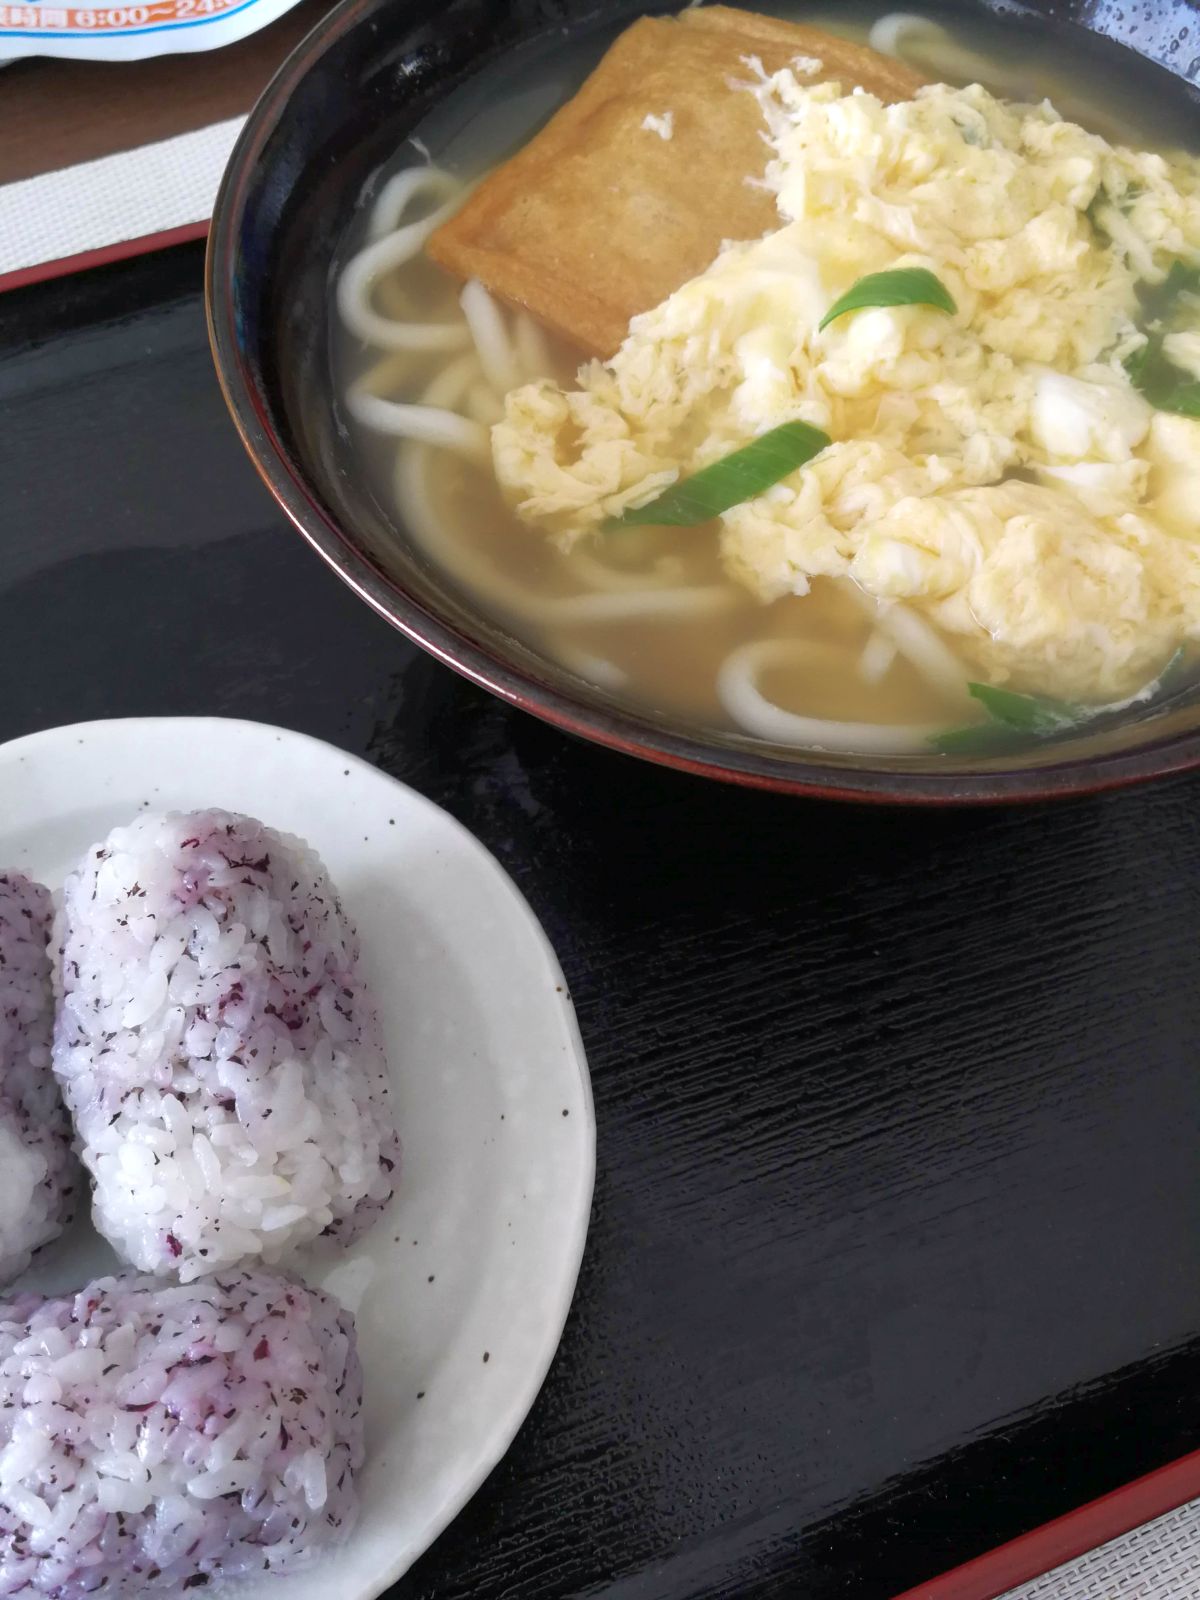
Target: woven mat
118, 198
1158, 1561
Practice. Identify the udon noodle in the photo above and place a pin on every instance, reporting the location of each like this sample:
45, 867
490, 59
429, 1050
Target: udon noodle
491, 351
446, 382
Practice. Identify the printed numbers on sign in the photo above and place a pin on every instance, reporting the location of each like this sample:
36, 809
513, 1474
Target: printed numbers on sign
111, 18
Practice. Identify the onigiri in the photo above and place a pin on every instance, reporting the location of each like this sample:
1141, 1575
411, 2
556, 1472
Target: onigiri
155, 1437
217, 1046
39, 1177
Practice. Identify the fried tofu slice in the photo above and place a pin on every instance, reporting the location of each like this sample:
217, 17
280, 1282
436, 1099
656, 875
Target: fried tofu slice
632, 187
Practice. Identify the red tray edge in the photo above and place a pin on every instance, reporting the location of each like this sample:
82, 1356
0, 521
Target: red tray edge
119, 250
1075, 1533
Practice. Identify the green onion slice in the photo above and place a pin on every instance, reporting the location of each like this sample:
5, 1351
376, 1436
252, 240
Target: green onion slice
1015, 718
903, 286
734, 478
1165, 385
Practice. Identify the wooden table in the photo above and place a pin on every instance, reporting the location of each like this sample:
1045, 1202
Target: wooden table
57, 113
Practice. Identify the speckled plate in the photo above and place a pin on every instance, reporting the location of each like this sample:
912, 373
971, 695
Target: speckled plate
463, 1287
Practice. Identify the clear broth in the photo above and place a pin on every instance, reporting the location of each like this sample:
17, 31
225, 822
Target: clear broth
670, 664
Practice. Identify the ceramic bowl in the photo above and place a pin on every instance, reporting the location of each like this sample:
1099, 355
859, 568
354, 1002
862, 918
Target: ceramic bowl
352, 91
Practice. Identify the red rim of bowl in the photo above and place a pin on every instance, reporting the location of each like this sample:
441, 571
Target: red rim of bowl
622, 731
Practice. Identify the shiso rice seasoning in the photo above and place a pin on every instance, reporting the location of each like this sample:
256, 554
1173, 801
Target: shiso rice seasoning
155, 1437
217, 1046
39, 1177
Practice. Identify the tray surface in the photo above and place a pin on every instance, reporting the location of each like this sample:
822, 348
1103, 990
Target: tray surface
894, 1245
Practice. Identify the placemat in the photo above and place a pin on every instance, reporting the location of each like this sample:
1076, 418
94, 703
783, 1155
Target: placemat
1159, 1561
93, 206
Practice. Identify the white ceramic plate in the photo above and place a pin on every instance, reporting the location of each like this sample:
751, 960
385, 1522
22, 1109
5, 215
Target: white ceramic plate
463, 1286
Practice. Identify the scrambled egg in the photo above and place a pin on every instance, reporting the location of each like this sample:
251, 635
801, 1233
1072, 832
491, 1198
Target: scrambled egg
995, 469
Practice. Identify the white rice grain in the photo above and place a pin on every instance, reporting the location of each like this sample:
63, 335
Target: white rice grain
39, 1177
177, 1437
217, 1046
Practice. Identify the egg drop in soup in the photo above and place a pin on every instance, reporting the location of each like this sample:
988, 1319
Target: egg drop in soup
832, 383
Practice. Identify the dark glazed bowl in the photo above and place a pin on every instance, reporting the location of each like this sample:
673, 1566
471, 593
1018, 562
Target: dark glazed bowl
337, 110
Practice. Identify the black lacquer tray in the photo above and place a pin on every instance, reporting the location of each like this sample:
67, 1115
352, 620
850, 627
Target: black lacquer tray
894, 1253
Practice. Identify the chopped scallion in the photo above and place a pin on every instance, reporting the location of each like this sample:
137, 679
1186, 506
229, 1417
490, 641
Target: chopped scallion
903, 286
1014, 718
1166, 386
734, 478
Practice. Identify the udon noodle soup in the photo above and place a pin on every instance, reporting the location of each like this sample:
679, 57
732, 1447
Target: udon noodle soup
911, 465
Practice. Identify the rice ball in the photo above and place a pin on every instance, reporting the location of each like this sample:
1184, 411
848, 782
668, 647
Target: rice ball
39, 1177
155, 1437
217, 1046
